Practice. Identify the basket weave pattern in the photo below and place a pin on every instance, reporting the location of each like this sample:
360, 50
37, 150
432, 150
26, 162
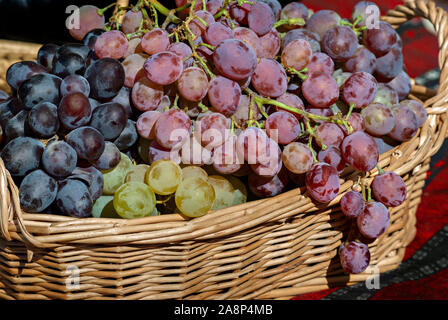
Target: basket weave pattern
267, 249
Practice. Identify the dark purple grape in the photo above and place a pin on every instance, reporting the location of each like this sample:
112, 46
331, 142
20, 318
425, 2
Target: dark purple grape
389, 189
37, 191
380, 40
17, 126
43, 120
110, 119
110, 157
87, 141
106, 78
354, 257
362, 61
124, 98
92, 177
46, 54
68, 64
22, 155
390, 65
340, 43
21, 71
373, 221
74, 48
74, 110
90, 38
75, 83
360, 151
402, 85
322, 182
40, 88
268, 186
128, 137
74, 199
3, 96
352, 204
59, 159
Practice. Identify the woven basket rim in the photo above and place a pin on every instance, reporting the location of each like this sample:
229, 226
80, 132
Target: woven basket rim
62, 230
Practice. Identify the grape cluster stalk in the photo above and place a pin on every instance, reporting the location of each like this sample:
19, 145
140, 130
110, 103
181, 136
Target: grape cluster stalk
208, 105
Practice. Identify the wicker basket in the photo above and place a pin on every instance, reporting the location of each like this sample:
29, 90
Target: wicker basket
268, 249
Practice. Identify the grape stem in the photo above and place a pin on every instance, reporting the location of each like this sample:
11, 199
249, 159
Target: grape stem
156, 18
310, 140
234, 123
206, 45
203, 64
302, 74
291, 22
380, 171
162, 9
101, 11
241, 2
175, 106
203, 107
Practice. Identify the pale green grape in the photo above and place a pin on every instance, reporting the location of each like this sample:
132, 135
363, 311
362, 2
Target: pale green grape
194, 171
164, 176
114, 178
137, 173
240, 193
224, 192
104, 208
194, 197
134, 200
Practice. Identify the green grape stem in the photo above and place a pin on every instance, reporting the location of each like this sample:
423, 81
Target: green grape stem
302, 74
291, 22
380, 170
162, 9
101, 11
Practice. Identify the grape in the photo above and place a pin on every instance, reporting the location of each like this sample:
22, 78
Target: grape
193, 153
224, 95
240, 191
75, 83
197, 27
68, 64
297, 157
373, 221
354, 257
241, 115
213, 6
183, 51
114, 178
333, 156
267, 186
193, 84
134, 46
43, 119
362, 61
145, 124
352, 204
291, 100
379, 119
163, 68
131, 21
164, 176
260, 18
240, 13
137, 173
340, 43
274, 164
193, 172
73, 198
91, 59
74, 111
418, 109
92, 177
225, 157
402, 85
357, 122
128, 137
110, 157
155, 41
134, 200
406, 124
172, 128
360, 10
157, 152
320, 63
39, 88
87, 141
74, 48
109, 119
270, 78
3, 96
293, 10
270, 44
111, 44
22, 155
329, 134
390, 65
322, 182
320, 90
386, 95
360, 89
146, 95
250, 38
234, 59
37, 191
312, 38
143, 149
91, 37
46, 54
195, 197
211, 130
380, 40
89, 19
59, 159
224, 192
106, 77
286, 126
321, 21
297, 54
103, 207
20, 71
252, 145
389, 189
341, 77
133, 68
17, 126
360, 151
